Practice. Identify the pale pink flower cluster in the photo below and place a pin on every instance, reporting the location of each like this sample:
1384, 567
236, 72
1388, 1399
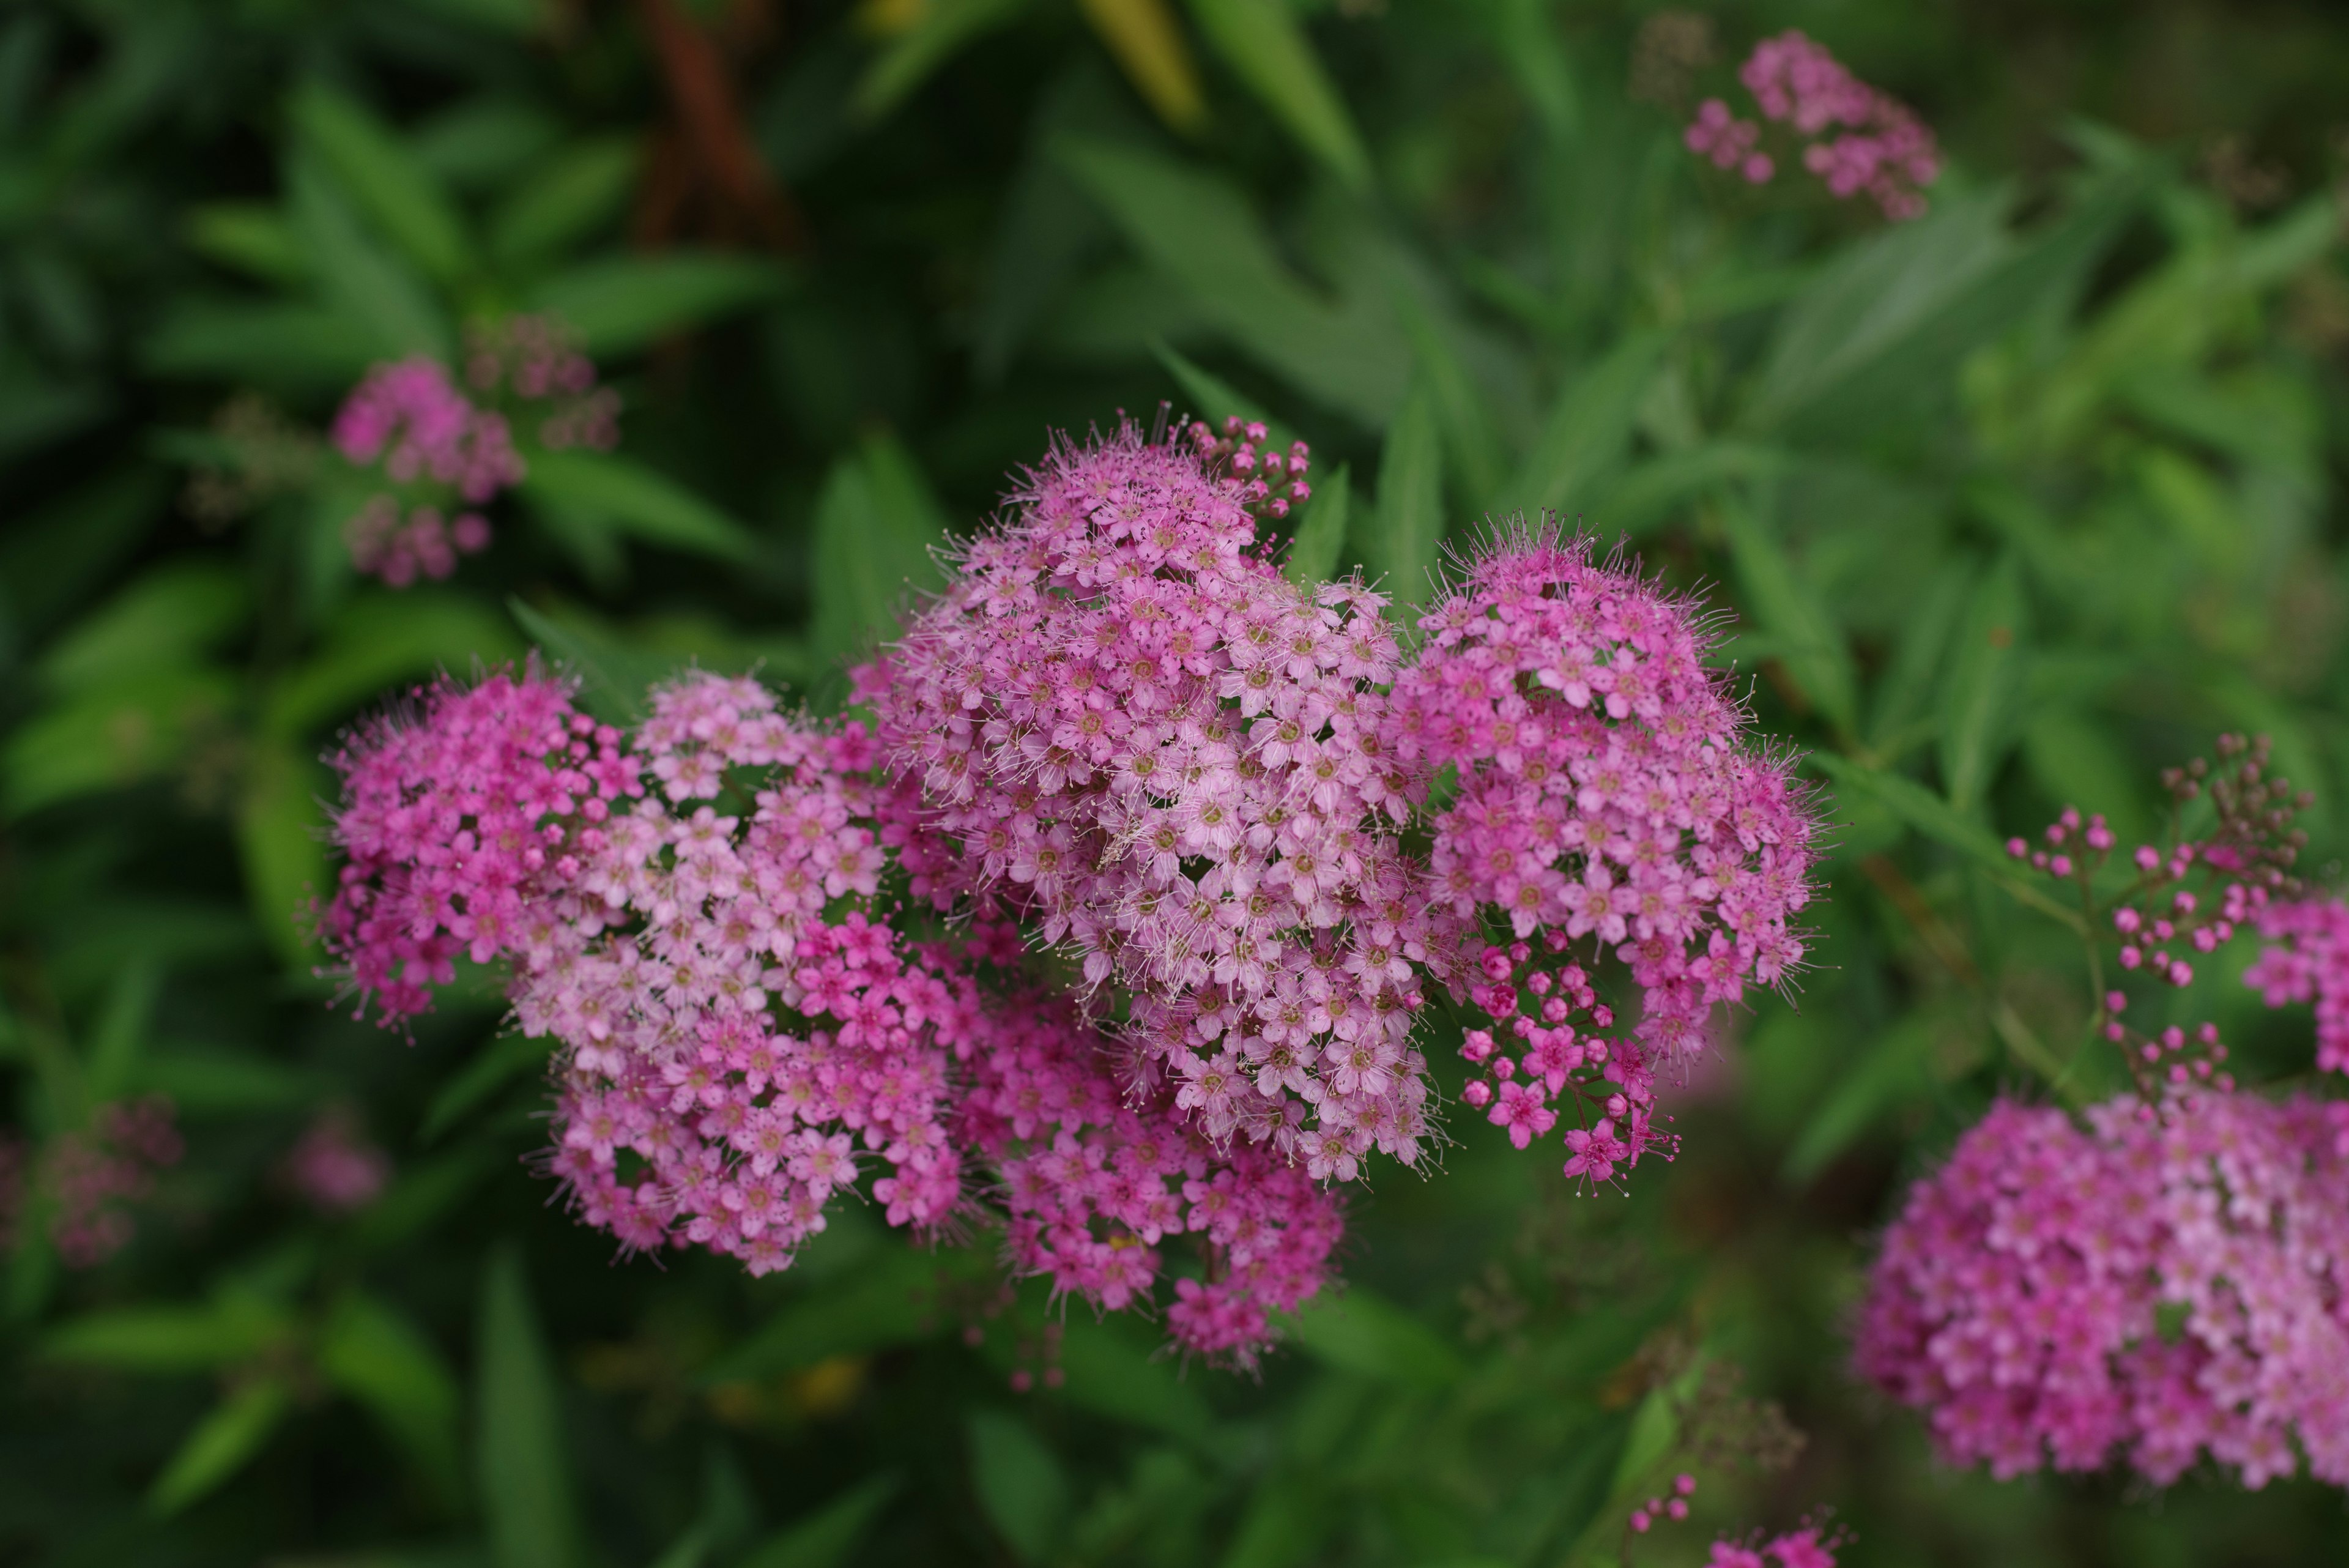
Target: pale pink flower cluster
332, 1165
1855, 138
1609, 803
1168, 758
2168, 1281
2307, 960
83, 1182
1120, 731
743, 1034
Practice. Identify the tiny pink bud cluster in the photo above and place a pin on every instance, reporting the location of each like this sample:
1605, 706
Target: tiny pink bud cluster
1270, 482
1882, 150
334, 1168
84, 1182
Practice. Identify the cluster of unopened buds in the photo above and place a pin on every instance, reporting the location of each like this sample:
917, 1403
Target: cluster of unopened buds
1809, 1545
84, 1182
1539, 1058
1854, 137
1271, 481
446, 455
780, 957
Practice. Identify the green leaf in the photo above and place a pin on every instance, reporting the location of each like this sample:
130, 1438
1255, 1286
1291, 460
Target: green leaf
1895, 1069
1262, 43
224, 1333
1978, 695
1022, 1487
177, 612
1216, 398
1113, 1369
566, 201
614, 679
286, 347
826, 1538
379, 1358
122, 735
207, 1079
121, 1033
380, 640
891, 1302
1648, 492
280, 838
1360, 1331
374, 288
1197, 229
1917, 806
1471, 439
254, 239
945, 29
1588, 429
1918, 649
1889, 324
1320, 540
638, 501
398, 193
524, 1473
508, 1059
1406, 526
877, 525
621, 304
1525, 36
222, 1444
1812, 646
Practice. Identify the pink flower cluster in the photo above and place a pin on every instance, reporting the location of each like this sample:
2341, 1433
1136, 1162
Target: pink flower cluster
447, 455
83, 1181
1805, 1548
1129, 727
1119, 731
452, 819
1854, 139
2307, 960
439, 450
2166, 1282
1608, 804
743, 1030
334, 1168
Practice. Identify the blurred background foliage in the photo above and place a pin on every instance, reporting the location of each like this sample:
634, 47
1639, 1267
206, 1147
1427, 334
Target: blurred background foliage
2013, 504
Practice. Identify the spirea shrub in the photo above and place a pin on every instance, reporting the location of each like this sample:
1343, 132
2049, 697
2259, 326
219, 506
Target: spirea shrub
2164, 1277
1123, 927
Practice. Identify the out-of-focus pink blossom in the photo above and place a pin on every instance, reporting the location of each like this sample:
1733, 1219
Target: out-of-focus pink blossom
2161, 1283
1856, 138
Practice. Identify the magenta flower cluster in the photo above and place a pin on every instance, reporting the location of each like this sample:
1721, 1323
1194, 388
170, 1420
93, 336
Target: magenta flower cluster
779, 958
1856, 138
447, 455
334, 1168
1606, 803
2168, 1281
439, 450
2307, 960
80, 1185
1809, 1545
